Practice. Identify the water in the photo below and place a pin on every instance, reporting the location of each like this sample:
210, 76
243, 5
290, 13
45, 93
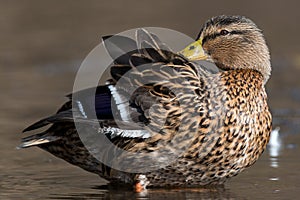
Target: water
42, 45
34, 174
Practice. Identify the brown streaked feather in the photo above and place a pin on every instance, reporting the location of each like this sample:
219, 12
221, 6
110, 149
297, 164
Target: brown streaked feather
221, 119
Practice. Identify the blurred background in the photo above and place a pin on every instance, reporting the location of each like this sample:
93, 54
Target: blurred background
42, 44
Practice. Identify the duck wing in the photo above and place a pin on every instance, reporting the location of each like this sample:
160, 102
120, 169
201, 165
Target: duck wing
142, 107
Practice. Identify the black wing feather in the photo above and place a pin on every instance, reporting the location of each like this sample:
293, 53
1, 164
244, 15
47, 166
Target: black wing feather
153, 61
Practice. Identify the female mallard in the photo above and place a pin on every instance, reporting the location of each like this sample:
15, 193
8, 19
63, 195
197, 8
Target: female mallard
195, 127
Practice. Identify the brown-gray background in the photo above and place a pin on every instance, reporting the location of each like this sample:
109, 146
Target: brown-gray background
42, 44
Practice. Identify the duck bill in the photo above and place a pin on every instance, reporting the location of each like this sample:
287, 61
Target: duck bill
194, 51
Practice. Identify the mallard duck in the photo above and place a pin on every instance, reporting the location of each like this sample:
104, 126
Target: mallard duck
178, 123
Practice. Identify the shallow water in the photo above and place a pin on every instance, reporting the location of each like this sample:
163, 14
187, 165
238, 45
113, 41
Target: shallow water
32, 174
42, 45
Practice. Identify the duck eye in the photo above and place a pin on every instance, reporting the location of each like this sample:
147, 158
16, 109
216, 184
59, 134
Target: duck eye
224, 32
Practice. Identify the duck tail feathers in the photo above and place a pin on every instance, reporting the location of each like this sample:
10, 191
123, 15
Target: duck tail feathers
37, 139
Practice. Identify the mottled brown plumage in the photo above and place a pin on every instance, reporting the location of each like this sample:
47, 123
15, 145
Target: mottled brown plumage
197, 127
